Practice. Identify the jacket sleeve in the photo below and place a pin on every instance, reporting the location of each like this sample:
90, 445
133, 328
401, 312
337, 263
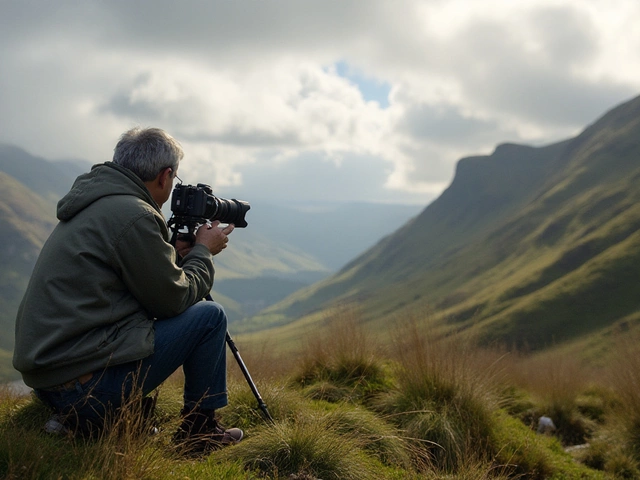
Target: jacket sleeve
148, 268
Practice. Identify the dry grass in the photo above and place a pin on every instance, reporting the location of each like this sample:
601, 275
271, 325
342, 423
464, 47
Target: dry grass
557, 385
553, 376
625, 375
264, 360
343, 363
622, 434
124, 451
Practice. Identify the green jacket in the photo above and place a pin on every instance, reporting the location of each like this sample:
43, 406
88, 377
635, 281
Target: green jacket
103, 276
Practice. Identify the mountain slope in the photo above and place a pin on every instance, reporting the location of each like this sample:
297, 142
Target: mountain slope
50, 180
529, 246
25, 223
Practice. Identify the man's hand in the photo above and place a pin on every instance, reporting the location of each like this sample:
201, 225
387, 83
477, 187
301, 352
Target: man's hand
184, 244
214, 237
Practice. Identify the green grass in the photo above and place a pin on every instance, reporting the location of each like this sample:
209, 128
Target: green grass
347, 408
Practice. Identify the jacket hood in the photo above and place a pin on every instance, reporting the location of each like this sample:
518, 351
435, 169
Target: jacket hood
103, 180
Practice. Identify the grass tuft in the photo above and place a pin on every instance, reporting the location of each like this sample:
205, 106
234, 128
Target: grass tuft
444, 398
376, 436
304, 447
343, 364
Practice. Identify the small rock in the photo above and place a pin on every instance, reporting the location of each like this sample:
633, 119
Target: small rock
546, 425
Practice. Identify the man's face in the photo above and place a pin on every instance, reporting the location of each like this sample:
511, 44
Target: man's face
173, 175
163, 185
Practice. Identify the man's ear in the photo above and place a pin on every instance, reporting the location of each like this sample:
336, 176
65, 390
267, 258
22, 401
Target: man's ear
165, 176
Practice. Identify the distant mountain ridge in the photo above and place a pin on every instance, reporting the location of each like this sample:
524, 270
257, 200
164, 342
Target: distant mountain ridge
529, 246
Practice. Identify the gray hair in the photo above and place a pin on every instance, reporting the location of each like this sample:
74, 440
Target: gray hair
147, 151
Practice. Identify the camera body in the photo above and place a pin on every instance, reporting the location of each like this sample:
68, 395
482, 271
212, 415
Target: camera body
192, 205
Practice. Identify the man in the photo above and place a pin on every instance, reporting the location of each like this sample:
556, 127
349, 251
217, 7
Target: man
108, 310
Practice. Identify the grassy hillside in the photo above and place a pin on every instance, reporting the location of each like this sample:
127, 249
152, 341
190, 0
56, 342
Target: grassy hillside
528, 246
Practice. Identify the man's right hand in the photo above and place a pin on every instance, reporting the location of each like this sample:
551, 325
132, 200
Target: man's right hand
214, 237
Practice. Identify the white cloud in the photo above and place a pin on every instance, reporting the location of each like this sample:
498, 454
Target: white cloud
265, 95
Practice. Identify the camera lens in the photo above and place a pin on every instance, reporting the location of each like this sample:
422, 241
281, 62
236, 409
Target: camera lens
231, 211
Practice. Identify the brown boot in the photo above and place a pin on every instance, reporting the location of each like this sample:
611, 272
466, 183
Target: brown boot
200, 432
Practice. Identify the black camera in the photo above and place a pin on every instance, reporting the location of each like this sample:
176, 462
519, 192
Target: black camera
192, 205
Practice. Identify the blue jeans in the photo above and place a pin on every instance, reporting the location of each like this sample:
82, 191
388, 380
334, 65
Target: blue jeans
195, 340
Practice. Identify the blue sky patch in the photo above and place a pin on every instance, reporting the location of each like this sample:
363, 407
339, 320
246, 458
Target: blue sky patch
371, 88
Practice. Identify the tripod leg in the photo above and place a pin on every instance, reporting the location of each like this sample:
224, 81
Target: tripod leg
245, 372
261, 404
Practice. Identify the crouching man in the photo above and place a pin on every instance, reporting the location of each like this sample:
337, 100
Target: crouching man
112, 309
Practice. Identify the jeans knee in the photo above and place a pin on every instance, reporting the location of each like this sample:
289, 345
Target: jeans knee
213, 313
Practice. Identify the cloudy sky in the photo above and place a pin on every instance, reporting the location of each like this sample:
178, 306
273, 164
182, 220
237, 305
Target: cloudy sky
305, 100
